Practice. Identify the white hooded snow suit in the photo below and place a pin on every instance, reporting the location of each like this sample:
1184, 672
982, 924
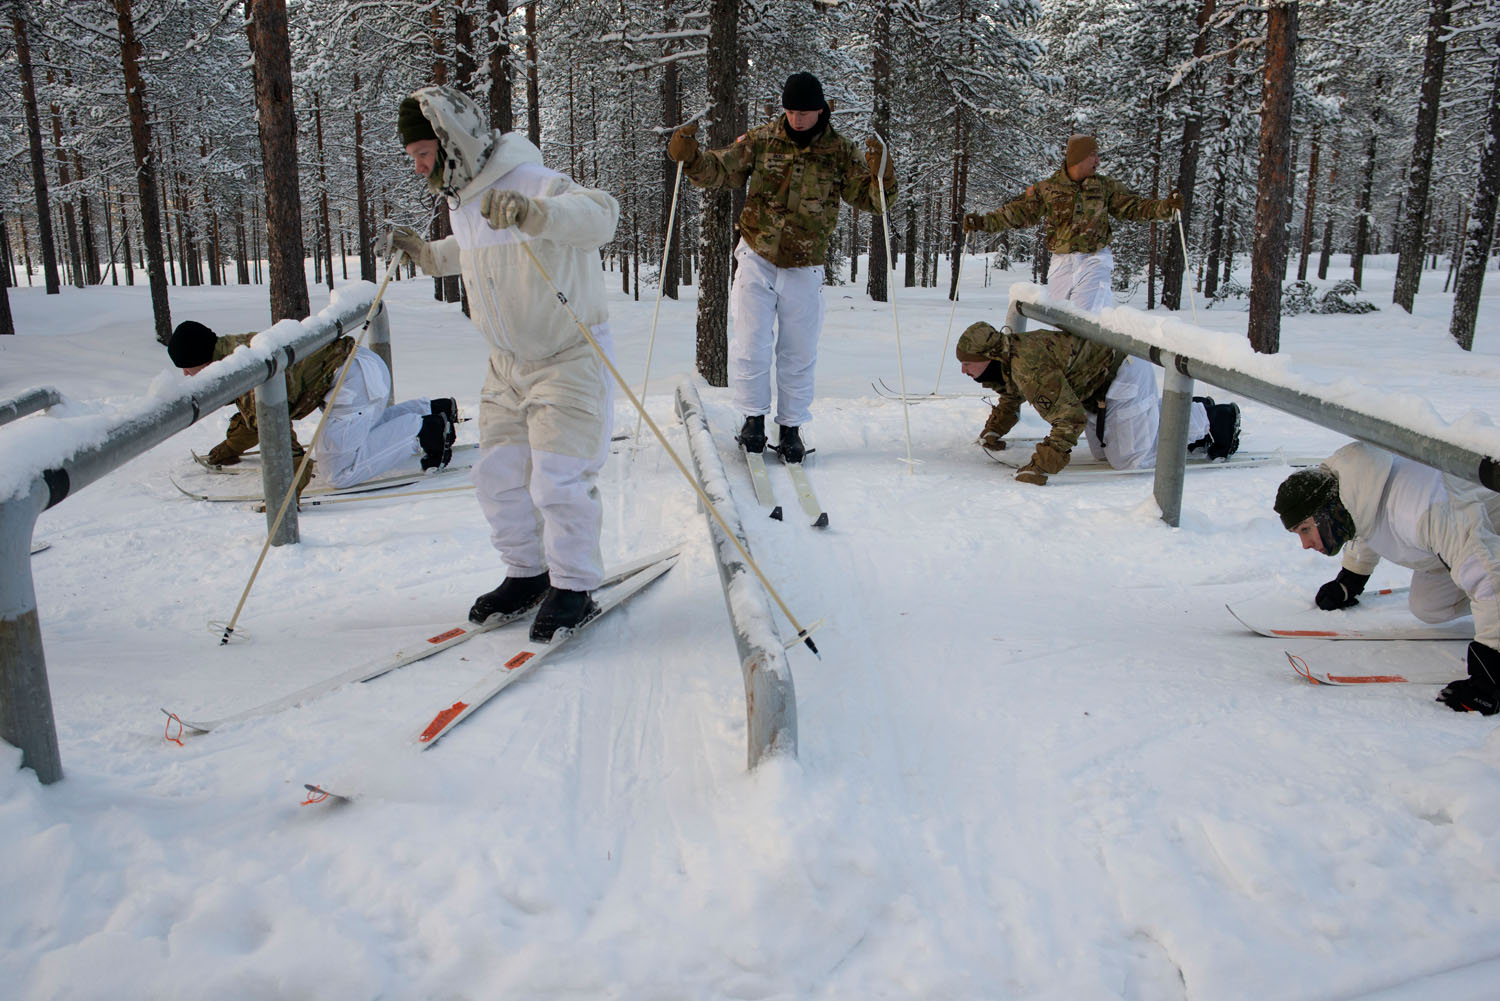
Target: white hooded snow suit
1439, 526
546, 411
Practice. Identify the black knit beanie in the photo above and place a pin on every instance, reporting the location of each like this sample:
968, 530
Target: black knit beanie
191, 344
411, 125
802, 92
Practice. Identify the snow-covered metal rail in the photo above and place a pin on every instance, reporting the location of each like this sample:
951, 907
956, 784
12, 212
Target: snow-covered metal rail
49, 457
29, 402
770, 698
1449, 452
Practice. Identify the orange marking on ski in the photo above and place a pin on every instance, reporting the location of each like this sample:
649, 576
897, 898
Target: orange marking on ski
518, 660
1303, 632
443, 637
441, 720
1364, 679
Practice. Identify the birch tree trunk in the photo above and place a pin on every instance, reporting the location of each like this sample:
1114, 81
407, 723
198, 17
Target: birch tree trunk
1273, 208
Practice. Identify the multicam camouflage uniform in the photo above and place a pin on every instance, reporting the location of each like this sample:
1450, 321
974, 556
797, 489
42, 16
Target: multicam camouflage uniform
307, 383
1063, 377
1077, 212
792, 204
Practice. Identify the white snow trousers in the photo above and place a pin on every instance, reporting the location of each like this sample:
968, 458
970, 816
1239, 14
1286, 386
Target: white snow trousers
362, 437
790, 300
543, 506
1132, 404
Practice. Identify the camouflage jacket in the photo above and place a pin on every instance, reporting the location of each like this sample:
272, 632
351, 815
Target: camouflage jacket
307, 383
792, 205
1077, 212
1063, 377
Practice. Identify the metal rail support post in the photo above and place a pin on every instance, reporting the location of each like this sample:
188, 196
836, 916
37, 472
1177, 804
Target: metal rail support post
25, 697
1172, 442
378, 340
276, 466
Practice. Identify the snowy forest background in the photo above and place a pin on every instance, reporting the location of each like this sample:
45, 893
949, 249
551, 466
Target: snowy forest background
1371, 138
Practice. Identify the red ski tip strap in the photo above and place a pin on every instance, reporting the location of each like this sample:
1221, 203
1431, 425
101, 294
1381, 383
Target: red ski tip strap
441, 721
167, 733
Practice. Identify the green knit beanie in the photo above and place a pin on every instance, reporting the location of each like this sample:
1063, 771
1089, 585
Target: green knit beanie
1303, 493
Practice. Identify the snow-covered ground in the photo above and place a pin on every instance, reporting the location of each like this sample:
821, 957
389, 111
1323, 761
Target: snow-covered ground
1038, 758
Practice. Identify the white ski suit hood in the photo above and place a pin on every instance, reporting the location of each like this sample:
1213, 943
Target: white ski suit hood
533, 337
1424, 520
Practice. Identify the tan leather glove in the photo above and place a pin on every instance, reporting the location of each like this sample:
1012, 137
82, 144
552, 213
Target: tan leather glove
1175, 200
503, 208
410, 242
973, 222
683, 146
223, 454
873, 153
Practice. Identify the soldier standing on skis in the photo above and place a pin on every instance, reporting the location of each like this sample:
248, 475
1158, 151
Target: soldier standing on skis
1077, 203
1070, 381
361, 437
547, 407
798, 169
1373, 505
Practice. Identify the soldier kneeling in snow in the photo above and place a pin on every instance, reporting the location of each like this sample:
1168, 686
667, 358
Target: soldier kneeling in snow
1439, 526
1080, 386
361, 438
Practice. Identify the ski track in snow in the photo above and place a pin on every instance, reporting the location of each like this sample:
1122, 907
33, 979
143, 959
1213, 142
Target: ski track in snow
1038, 759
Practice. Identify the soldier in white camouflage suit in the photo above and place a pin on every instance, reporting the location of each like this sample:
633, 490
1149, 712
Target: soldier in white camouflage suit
798, 169
546, 411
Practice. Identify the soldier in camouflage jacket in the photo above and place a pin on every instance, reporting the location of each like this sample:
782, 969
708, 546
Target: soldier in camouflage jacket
1077, 203
799, 169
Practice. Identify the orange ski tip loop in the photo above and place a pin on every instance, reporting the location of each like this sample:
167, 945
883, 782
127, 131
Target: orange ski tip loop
442, 719
518, 660
314, 795
444, 637
1300, 666
167, 733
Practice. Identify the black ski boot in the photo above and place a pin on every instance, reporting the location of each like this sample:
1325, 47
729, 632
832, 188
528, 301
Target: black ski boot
448, 407
561, 609
790, 447
753, 434
1224, 429
514, 596
436, 440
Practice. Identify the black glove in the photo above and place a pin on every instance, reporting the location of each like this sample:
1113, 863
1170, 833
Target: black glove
1343, 591
1480, 691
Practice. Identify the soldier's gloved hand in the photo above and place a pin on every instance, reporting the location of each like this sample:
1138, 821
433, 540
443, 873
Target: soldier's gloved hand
223, 454
1341, 592
1175, 200
683, 146
973, 222
1480, 691
411, 243
504, 208
875, 151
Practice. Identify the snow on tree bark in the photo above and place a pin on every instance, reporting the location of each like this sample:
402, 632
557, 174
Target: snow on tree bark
1273, 206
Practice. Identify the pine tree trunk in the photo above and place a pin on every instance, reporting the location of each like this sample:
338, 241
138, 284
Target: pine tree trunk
910, 279
1362, 213
38, 158
1419, 173
1175, 265
1273, 200
716, 231
1327, 250
1215, 236
70, 223
533, 88
1481, 227
500, 83
880, 121
125, 242
86, 223
266, 24
323, 187
1312, 199
145, 171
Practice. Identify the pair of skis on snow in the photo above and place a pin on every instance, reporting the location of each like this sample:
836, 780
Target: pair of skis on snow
765, 495
620, 584
1407, 654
